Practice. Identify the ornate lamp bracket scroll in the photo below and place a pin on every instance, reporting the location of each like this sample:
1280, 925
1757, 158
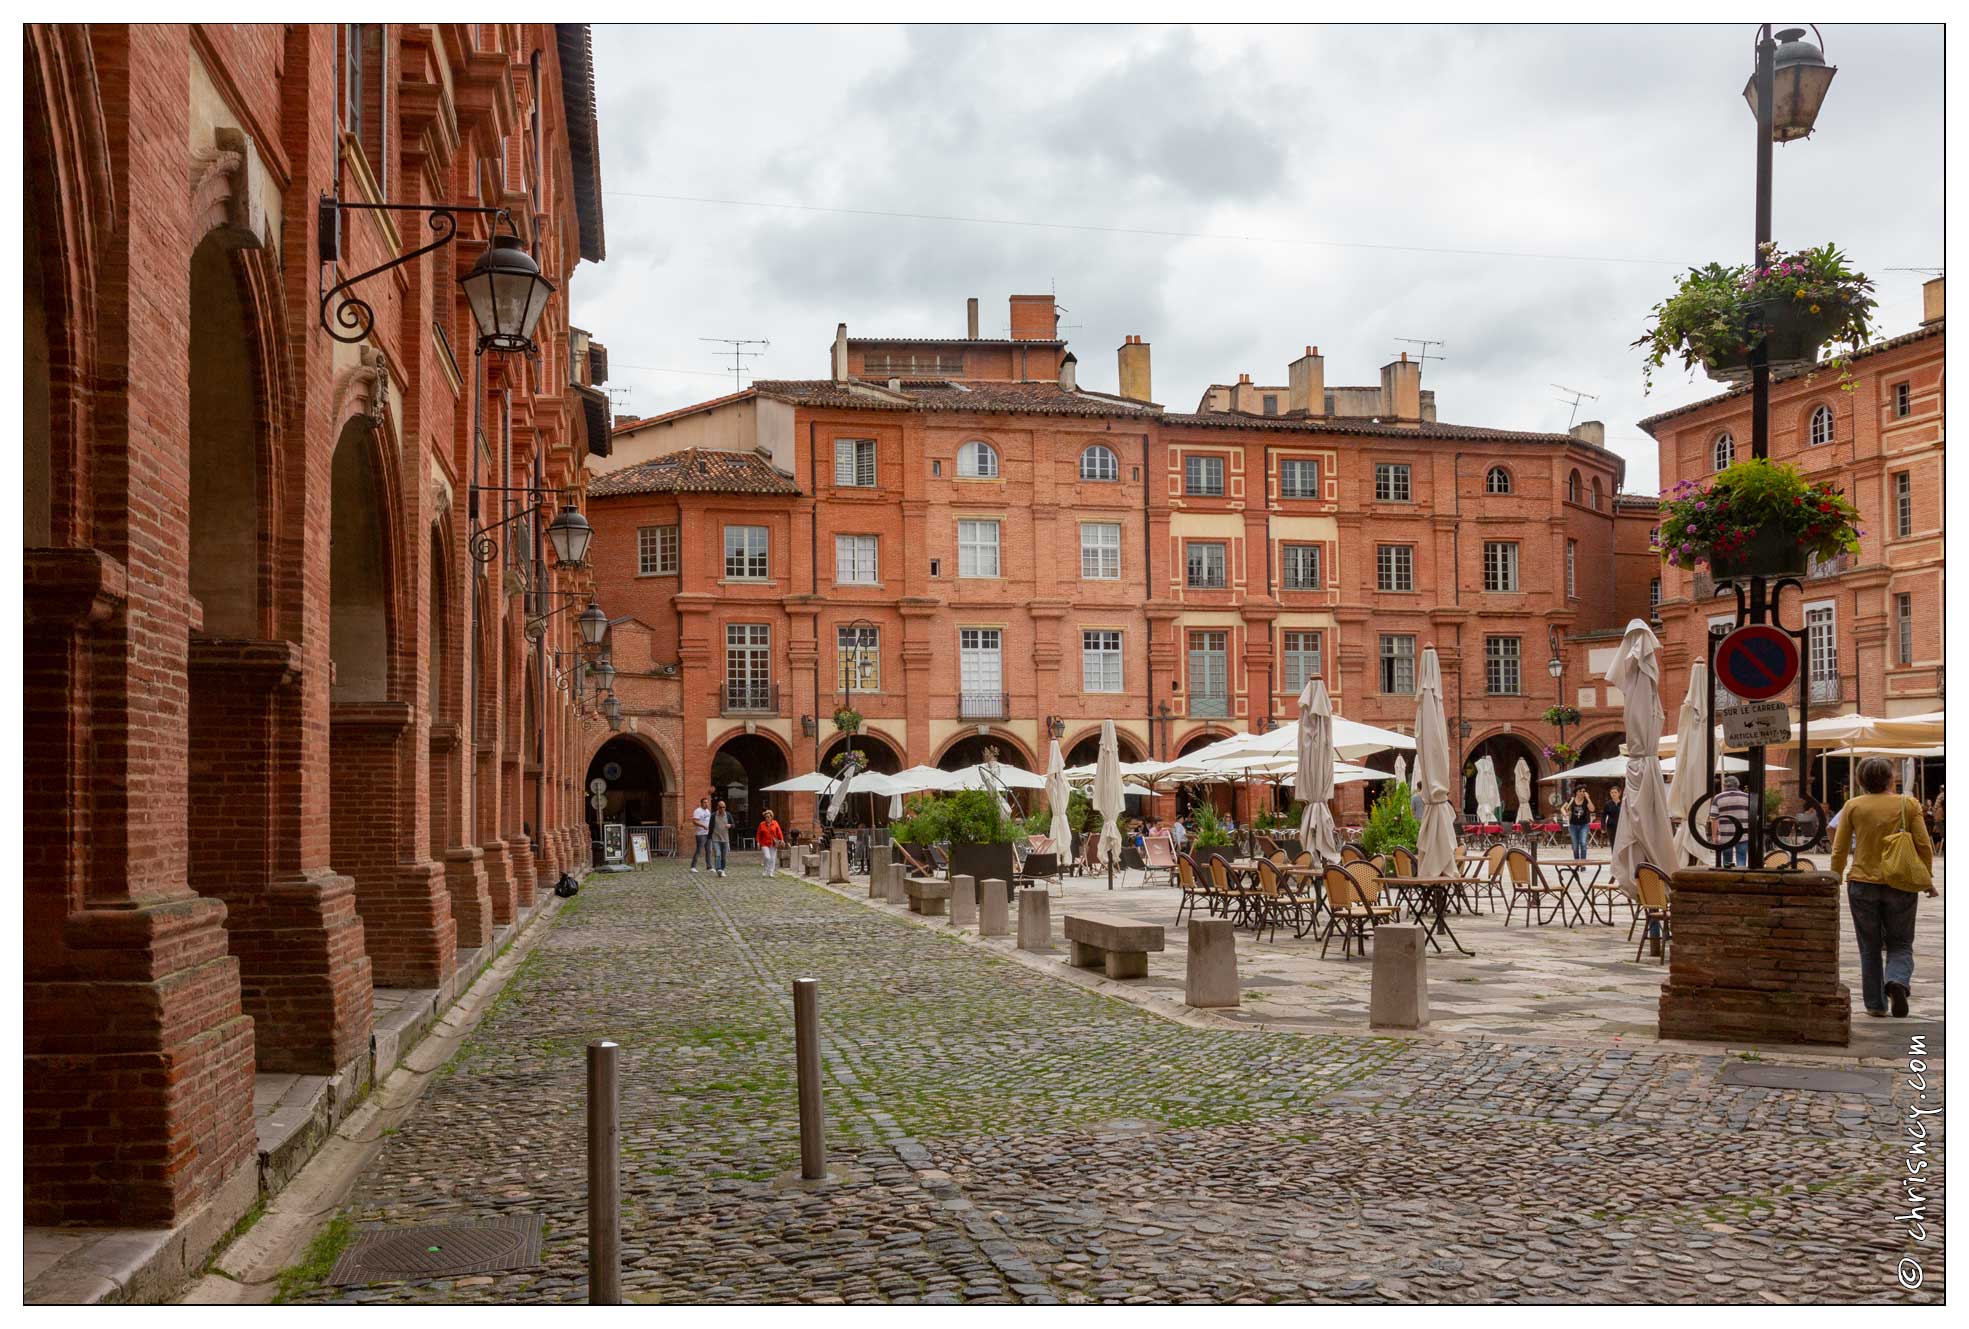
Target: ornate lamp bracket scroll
354, 317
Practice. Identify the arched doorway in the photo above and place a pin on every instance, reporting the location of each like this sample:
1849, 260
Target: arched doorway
1505, 752
636, 788
976, 748
741, 769
878, 756
1219, 796
358, 571
1088, 750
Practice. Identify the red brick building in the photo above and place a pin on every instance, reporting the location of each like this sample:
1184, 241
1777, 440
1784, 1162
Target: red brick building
286, 739
1875, 619
1012, 550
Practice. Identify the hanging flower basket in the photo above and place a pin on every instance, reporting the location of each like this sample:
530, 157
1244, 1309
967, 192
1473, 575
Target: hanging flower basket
1792, 304
1758, 518
1561, 715
848, 720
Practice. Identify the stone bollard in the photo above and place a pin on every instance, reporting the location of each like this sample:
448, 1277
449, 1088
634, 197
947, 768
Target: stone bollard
993, 906
878, 883
893, 883
879, 855
963, 902
1035, 921
837, 862
1212, 975
1400, 997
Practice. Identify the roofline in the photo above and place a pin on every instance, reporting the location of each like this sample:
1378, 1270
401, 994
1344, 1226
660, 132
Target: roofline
957, 341
632, 426
577, 51
1934, 329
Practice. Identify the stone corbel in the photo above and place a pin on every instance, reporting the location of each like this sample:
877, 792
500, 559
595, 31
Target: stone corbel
363, 389
226, 181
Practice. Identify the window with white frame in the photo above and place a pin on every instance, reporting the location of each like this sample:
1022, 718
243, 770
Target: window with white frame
1501, 660
1721, 625
1394, 567
1302, 567
1301, 650
1903, 503
656, 551
1100, 550
1822, 648
977, 461
1100, 660
1204, 564
858, 658
977, 548
1654, 598
1573, 487
748, 666
1723, 451
1391, 482
855, 560
980, 672
1099, 463
1572, 569
1398, 663
745, 553
1203, 476
854, 463
1500, 565
1821, 428
1904, 627
1903, 400
1209, 673
1497, 480
1299, 477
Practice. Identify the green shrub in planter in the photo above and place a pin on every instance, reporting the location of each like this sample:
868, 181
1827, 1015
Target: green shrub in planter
1391, 821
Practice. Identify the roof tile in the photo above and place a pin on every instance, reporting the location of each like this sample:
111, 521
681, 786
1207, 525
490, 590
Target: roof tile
696, 471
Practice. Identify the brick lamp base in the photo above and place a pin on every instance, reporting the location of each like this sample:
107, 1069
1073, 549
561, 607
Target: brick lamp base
1755, 956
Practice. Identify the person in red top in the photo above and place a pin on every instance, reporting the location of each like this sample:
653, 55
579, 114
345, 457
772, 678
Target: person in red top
770, 838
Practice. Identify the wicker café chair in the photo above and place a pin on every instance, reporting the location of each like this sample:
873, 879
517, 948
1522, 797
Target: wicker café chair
1529, 887
1651, 884
1193, 887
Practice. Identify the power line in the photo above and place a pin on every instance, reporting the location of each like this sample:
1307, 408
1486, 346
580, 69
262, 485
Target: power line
615, 364
1146, 231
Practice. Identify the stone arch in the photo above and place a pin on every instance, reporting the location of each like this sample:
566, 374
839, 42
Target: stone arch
742, 765
1087, 748
967, 749
1506, 748
641, 790
229, 533
1219, 796
882, 752
362, 567
438, 632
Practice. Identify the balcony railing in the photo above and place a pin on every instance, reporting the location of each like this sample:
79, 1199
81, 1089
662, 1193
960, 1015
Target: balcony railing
1826, 689
1210, 704
748, 699
984, 706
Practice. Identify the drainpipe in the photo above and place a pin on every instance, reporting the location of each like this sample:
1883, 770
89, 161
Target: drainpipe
1265, 489
1148, 593
1456, 590
813, 575
540, 670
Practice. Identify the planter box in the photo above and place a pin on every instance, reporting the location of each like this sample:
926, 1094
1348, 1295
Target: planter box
1755, 956
1794, 339
1769, 554
982, 861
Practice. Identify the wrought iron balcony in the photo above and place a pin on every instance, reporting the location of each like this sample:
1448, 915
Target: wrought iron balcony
984, 706
1827, 689
748, 699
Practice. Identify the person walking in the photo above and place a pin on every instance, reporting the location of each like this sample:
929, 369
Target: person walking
1579, 821
1883, 910
701, 819
770, 837
721, 838
1610, 814
1728, 811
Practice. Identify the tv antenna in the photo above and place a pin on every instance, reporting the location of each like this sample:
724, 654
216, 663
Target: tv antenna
739, 354
1576, 397
1932, 272
1423, 356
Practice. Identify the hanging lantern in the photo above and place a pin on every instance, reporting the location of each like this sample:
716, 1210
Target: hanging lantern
507, 295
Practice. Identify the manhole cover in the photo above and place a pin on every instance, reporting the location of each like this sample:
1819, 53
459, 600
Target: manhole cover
491, 1245
1814, 1079
1127, 1126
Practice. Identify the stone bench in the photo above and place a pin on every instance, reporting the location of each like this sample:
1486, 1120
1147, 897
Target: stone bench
927, 895
1121, 944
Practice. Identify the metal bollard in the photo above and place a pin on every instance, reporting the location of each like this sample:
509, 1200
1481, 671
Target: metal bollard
604, 1176
806, 1046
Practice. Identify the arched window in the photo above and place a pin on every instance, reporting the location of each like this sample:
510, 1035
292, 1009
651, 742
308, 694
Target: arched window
1099, 463
1572, 487
1599, 495
977, 461
1497, 481
1725, 450
1821, 426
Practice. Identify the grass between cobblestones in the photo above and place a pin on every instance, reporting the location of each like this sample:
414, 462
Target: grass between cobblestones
997, 1135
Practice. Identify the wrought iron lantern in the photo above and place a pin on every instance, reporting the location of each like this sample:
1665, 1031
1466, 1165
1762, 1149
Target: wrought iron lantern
1800, 79
507, 295
570, 534
593, 624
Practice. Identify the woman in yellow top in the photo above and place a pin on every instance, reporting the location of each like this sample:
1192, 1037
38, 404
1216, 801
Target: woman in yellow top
1883, 915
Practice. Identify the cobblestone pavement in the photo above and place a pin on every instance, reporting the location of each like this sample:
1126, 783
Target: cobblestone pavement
1001, 1136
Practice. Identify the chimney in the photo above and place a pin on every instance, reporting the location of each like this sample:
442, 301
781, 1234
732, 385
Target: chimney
1068, 373
622, 420
1034, 318
1931, 301
971, 318
1401, 390
1244, 397
1132, 357
1590, 431
840, 365
1306, 384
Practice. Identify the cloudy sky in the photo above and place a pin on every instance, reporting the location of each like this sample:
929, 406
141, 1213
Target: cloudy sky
1521, 194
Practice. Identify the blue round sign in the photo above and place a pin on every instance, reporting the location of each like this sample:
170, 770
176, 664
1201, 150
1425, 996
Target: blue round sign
1757, 661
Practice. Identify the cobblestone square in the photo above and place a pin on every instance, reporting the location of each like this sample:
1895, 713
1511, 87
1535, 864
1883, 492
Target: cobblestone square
1002, 1136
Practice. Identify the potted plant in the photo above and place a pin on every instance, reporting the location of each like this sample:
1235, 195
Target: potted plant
1210, 832
1756, 518
1560, 716
848, 720
978, 833
1391, 821
1562, 755
1793, 304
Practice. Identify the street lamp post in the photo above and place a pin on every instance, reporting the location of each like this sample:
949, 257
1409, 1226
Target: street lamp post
1556, 667
857, 672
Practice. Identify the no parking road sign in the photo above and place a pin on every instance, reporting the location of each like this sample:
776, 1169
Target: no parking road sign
1757, 661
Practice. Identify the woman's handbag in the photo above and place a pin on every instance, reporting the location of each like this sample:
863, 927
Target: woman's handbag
1900, 864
